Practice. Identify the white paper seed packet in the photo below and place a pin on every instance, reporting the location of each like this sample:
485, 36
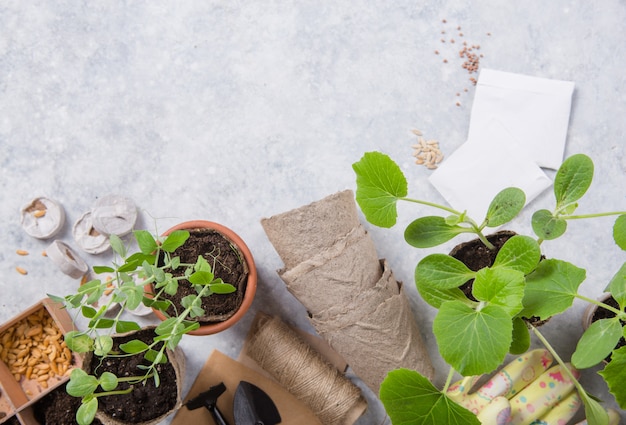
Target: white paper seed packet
535, 110
472, 176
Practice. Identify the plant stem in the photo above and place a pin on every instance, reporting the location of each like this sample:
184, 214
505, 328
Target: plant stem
448, 380
116, 392
616, 311
581, 216
431, 204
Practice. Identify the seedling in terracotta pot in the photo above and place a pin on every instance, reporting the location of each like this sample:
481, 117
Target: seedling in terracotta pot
474, 335
154, 264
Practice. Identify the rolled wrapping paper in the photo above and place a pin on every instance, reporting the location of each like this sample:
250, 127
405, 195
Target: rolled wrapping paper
67, 259
303, 371
340, 272
87, 237
300, 234
375, 332
378, 335
114, 215
42, 217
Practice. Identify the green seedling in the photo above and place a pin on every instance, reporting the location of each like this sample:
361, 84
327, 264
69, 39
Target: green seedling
152, 264
474, 336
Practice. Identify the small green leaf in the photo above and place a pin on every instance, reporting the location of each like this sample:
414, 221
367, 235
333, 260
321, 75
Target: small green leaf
380, 183
123, 326
505, 206
81, 384
88, 312
453, 220
551, 288
614, 374
501, 287
222, 288
573, 179
117, 245
473, 342
595, 414
134, 294
103, 269
201, 278
101, 323
78, 342
102, 345
166, 326
108, 381
521, 337
442, 271
87, 411
521, 253
134, 346
435, 296
597, 342
426, 232
546, 226
155, 356
175, 240
410, 399
146, 242
619, 231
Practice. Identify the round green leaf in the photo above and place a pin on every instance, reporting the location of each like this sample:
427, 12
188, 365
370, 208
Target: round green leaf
134, 346
81, 384
174, 240
117, 245
505, 206
78, 342
521, 253
473, 342
501, 287
426, 232
619, 231
572, 179
547, 226
410, 398
551, 288
146, 242
87, 411
442, 271
379, 184
597, 342
108, 381
102, 345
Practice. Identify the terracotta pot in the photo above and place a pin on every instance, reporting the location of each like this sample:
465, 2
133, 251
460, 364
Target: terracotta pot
212, 328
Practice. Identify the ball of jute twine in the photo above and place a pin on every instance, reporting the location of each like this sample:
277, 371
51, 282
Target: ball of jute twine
303, 372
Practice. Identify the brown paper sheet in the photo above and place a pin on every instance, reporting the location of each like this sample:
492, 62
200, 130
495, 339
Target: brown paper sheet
221, 368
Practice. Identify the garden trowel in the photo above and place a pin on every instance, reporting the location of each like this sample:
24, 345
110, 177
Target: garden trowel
208, 399
252, 406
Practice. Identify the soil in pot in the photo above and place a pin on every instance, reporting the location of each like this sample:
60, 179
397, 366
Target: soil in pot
228, 264
58, 408
602, 313
146, 401
475, 255
13, 421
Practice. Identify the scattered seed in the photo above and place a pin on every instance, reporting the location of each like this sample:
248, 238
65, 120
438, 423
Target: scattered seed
21, 270
44, 254
21, 252
445, 61
416, 132
39, 213
458, 104
444, 21
426, 152
436, 52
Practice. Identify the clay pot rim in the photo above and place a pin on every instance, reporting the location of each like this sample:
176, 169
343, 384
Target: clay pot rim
591, 309
213, 328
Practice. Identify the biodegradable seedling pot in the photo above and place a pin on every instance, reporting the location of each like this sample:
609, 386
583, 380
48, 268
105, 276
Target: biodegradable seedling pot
247, 284
139, 406
23, 380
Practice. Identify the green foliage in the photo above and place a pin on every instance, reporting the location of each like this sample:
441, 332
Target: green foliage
381, 184
410, 398
474, 336
151, 265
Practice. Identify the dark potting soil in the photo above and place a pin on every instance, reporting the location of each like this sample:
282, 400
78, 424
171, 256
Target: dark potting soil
228, 264
146, 401
12, 421
58, 408
602, 313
